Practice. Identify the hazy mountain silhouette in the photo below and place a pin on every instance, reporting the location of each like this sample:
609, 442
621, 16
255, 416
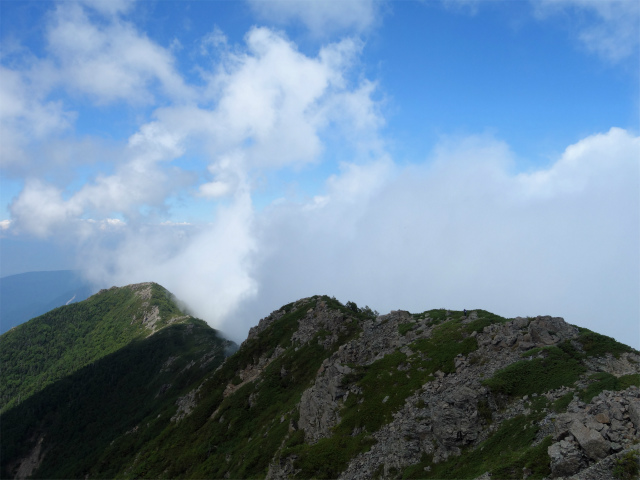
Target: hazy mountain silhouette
28, 295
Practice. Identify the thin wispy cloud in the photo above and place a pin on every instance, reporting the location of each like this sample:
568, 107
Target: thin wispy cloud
609, 28
322, 18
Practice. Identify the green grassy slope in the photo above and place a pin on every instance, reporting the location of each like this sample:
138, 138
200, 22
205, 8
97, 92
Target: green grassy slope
58, 343
133, 389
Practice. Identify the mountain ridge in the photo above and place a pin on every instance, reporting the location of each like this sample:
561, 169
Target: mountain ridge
325, 390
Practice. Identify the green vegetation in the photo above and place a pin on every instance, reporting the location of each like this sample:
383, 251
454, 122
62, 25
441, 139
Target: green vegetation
559, 366
504, 455
446, 342
606, 381
386, 383
404, 328
484, 320
240, 434
438, 315
60, 342
329, 457
561, 404
553, 367
484, 411
85, 416
596, 345
627, 467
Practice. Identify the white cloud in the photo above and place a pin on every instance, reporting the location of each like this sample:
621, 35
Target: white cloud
207, 267
321, 18
110, 61
610, 28
106, 60
275, 98
461, 231
41, 208
270, 104
213, 41
465, 232
26, 117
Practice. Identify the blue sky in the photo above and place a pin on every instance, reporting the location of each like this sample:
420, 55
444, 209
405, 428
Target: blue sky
416, 155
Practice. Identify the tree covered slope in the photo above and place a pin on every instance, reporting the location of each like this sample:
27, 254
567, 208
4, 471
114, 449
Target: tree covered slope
58, 343
84, 375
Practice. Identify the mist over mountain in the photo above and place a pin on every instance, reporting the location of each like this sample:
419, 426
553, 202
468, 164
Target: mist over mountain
126, 385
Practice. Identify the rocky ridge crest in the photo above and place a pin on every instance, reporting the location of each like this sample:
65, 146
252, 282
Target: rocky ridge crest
456, 411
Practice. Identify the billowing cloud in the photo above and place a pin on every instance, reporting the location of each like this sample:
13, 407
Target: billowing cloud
270, 104
111, 60
209, 267
106, 60
321, 18
41, 208
462, 230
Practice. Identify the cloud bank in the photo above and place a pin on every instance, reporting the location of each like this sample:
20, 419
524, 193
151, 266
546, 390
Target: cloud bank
461, 228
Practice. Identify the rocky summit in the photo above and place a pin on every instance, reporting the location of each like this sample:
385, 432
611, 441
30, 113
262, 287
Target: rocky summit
325, 390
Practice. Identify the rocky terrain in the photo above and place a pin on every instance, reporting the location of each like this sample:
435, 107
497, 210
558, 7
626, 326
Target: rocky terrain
443, 418
325, 390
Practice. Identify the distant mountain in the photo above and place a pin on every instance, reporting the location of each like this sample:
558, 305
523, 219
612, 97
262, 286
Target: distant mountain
318, 390
27, 295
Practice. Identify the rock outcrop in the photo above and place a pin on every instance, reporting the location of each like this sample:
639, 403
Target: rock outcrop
455, 411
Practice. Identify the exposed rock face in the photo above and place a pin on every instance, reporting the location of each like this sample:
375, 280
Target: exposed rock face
449, 418
604, 468
186, 405
528, 334
603, 427
634, 413
626, 364
566, 458
320, 403
142, 290
251, 372
264, 323
444, 416
31, 462
590, 440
